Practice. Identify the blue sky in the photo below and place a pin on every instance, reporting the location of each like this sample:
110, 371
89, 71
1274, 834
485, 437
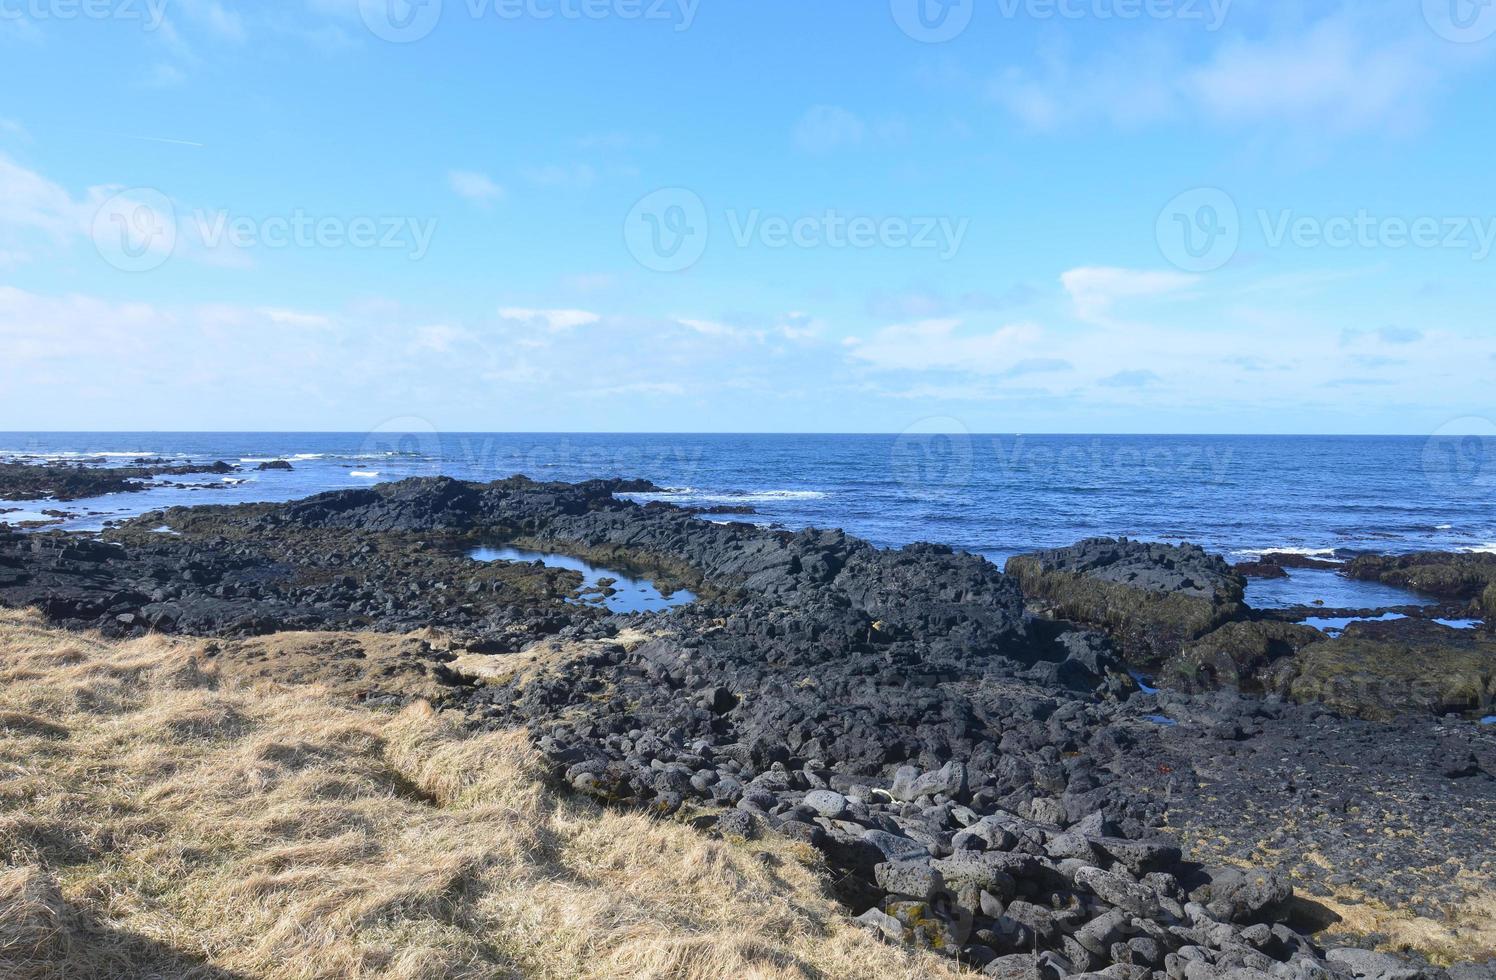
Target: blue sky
672, 215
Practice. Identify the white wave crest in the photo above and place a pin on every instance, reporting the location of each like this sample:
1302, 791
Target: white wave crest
691, 495
1326, 553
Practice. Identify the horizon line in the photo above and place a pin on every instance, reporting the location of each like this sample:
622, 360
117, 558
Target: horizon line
722, 432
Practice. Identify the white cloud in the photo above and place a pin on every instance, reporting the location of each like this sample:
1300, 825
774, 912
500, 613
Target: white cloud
163, 75
1095, 290
1331, 74
556, 321
474, 186
440, 338
576, 176
1371, 66
224, 23
709, 328
825, 128
294, 318
940, 345
638, 388
31, 202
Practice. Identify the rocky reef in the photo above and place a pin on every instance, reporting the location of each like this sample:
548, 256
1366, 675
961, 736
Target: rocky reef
1448, 576
981, 780
23, 481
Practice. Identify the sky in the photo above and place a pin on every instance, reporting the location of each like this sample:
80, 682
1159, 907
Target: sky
767, 216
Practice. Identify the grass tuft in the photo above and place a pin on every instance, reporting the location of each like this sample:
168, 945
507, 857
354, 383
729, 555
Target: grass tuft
162, 816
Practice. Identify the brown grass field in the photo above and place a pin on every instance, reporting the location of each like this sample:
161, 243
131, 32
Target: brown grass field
164, 813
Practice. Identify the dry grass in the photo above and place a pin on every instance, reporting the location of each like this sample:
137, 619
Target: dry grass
161, 817
537, 659
1469, 934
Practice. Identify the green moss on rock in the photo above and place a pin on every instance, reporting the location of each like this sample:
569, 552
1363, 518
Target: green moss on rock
1236, 656
1384, 670
1148, 626
1444, 574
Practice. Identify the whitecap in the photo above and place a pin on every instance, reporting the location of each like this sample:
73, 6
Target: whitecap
366, 474
308, 455
690, 495
1327, 554
1483, 549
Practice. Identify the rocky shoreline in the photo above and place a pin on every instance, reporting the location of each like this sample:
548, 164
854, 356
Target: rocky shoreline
89, 478
969, 751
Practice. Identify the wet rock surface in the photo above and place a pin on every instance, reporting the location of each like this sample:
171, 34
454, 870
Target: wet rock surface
981, 782
1154, 598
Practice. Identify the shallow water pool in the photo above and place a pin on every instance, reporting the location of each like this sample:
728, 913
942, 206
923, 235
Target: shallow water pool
1335, 625
630, 594
1311, 586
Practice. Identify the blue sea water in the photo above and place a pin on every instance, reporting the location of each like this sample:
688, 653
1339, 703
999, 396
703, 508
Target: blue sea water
996, 495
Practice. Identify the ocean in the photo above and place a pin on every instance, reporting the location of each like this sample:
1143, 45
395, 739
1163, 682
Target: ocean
995, 495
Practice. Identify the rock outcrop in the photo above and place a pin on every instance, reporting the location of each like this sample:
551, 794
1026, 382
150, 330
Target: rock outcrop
1153, 598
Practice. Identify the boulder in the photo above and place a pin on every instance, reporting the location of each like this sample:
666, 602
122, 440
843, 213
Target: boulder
1364, 964
1152, 598
1241, 896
